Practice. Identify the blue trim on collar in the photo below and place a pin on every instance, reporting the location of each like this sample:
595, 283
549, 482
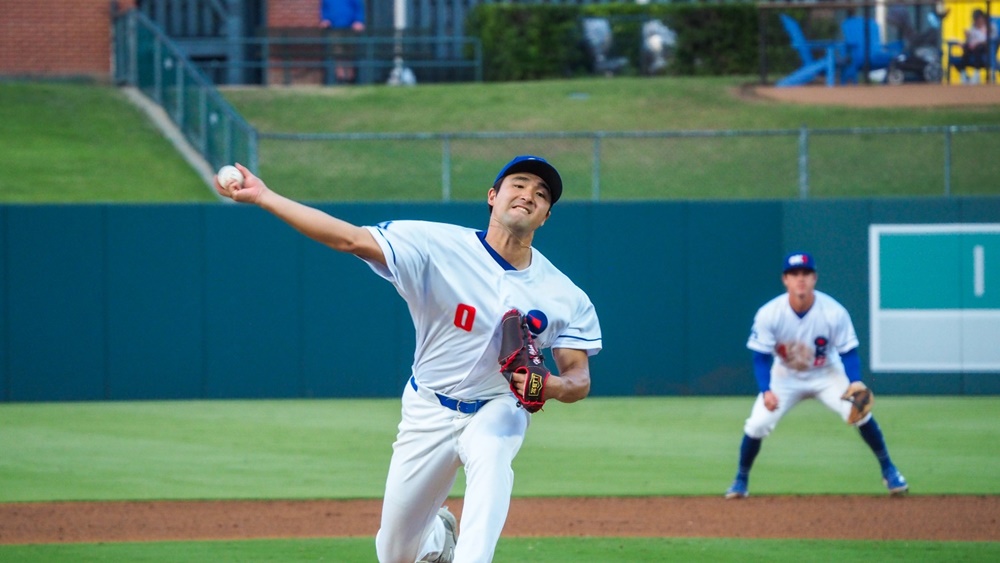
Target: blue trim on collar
496, 256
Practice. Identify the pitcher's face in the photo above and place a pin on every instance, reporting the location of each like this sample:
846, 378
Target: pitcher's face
522, 201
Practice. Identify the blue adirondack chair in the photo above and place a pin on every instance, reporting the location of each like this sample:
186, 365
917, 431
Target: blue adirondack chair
879, 54
819, 57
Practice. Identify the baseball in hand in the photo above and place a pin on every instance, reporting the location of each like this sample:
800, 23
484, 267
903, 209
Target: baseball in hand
230, 177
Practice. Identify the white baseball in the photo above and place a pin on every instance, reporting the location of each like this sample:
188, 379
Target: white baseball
230, 177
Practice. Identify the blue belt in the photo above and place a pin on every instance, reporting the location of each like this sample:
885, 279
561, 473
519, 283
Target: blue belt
465, 407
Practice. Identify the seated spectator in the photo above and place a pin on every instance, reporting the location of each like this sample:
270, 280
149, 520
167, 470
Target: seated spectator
975, 50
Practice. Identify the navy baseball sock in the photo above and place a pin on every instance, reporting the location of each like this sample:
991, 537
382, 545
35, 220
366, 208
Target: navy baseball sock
872, 435
748, 452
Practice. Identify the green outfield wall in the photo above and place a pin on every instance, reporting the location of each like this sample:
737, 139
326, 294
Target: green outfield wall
128, 302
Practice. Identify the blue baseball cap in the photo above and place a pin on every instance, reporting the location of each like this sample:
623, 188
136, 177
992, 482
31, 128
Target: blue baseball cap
539, 167
799, 261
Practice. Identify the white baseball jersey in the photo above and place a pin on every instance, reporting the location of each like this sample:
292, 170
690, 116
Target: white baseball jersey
457, 289
807, 346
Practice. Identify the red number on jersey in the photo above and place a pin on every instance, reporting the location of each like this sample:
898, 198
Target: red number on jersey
465, 315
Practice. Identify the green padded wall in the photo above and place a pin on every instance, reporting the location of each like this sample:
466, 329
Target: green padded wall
124, 302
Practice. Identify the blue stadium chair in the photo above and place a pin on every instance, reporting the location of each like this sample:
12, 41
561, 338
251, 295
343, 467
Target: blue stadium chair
819, 57
879, 54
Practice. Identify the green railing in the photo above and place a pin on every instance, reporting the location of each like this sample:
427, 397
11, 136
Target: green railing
148, 60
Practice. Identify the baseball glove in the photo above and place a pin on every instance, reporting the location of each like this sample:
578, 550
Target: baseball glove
861, 399
796, 355
518, 354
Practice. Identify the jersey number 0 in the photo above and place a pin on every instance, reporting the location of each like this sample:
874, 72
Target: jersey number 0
465, 315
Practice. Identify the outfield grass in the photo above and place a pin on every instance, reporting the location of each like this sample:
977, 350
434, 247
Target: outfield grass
549, 550
612, 446
341, 448
83, 143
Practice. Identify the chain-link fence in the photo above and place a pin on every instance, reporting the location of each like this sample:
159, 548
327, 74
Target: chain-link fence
596, 165
147, 59
627, 165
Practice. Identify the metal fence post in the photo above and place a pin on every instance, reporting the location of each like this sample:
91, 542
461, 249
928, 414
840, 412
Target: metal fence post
158, 71
202, 120
252, 151
179, 87
227, 136
947, 161
133, 47
234, 49
446, 168
595, 180
479, 60
803, 163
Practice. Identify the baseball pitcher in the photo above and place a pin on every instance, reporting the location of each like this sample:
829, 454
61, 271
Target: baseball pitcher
485, 305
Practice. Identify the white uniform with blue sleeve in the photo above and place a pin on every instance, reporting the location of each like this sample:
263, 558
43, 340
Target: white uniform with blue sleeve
804, 347
457, 408
807, 357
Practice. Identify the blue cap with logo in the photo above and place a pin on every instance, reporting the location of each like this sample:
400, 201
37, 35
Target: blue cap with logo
799, 261
539, 167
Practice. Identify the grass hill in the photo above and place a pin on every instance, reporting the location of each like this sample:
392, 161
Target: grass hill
77, 143
81, 143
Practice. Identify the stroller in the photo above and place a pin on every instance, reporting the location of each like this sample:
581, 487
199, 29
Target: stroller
658, 44
597, 35
920, 60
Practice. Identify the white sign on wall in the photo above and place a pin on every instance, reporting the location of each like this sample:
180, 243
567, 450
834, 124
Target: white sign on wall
935, 297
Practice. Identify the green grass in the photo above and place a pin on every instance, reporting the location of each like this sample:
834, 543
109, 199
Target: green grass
615, 446
341, 448
71, 143
698, 168
586, 104
550, 550
75, 143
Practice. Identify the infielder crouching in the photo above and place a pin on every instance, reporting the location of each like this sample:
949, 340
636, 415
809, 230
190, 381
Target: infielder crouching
804, 346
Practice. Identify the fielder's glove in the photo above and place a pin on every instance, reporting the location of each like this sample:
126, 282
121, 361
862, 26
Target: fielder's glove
518, 354
796, 355
861, 399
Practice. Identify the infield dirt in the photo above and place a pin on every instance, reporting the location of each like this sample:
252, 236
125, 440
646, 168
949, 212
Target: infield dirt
942, 518
873, 96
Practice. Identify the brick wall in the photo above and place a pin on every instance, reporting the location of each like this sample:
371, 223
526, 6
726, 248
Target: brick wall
56, 38
293, 13
72, 38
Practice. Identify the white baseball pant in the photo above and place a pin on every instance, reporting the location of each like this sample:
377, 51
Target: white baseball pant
827, 386
433, 441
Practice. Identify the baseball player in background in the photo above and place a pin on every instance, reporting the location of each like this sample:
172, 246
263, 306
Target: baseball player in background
457, 408
804, 346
